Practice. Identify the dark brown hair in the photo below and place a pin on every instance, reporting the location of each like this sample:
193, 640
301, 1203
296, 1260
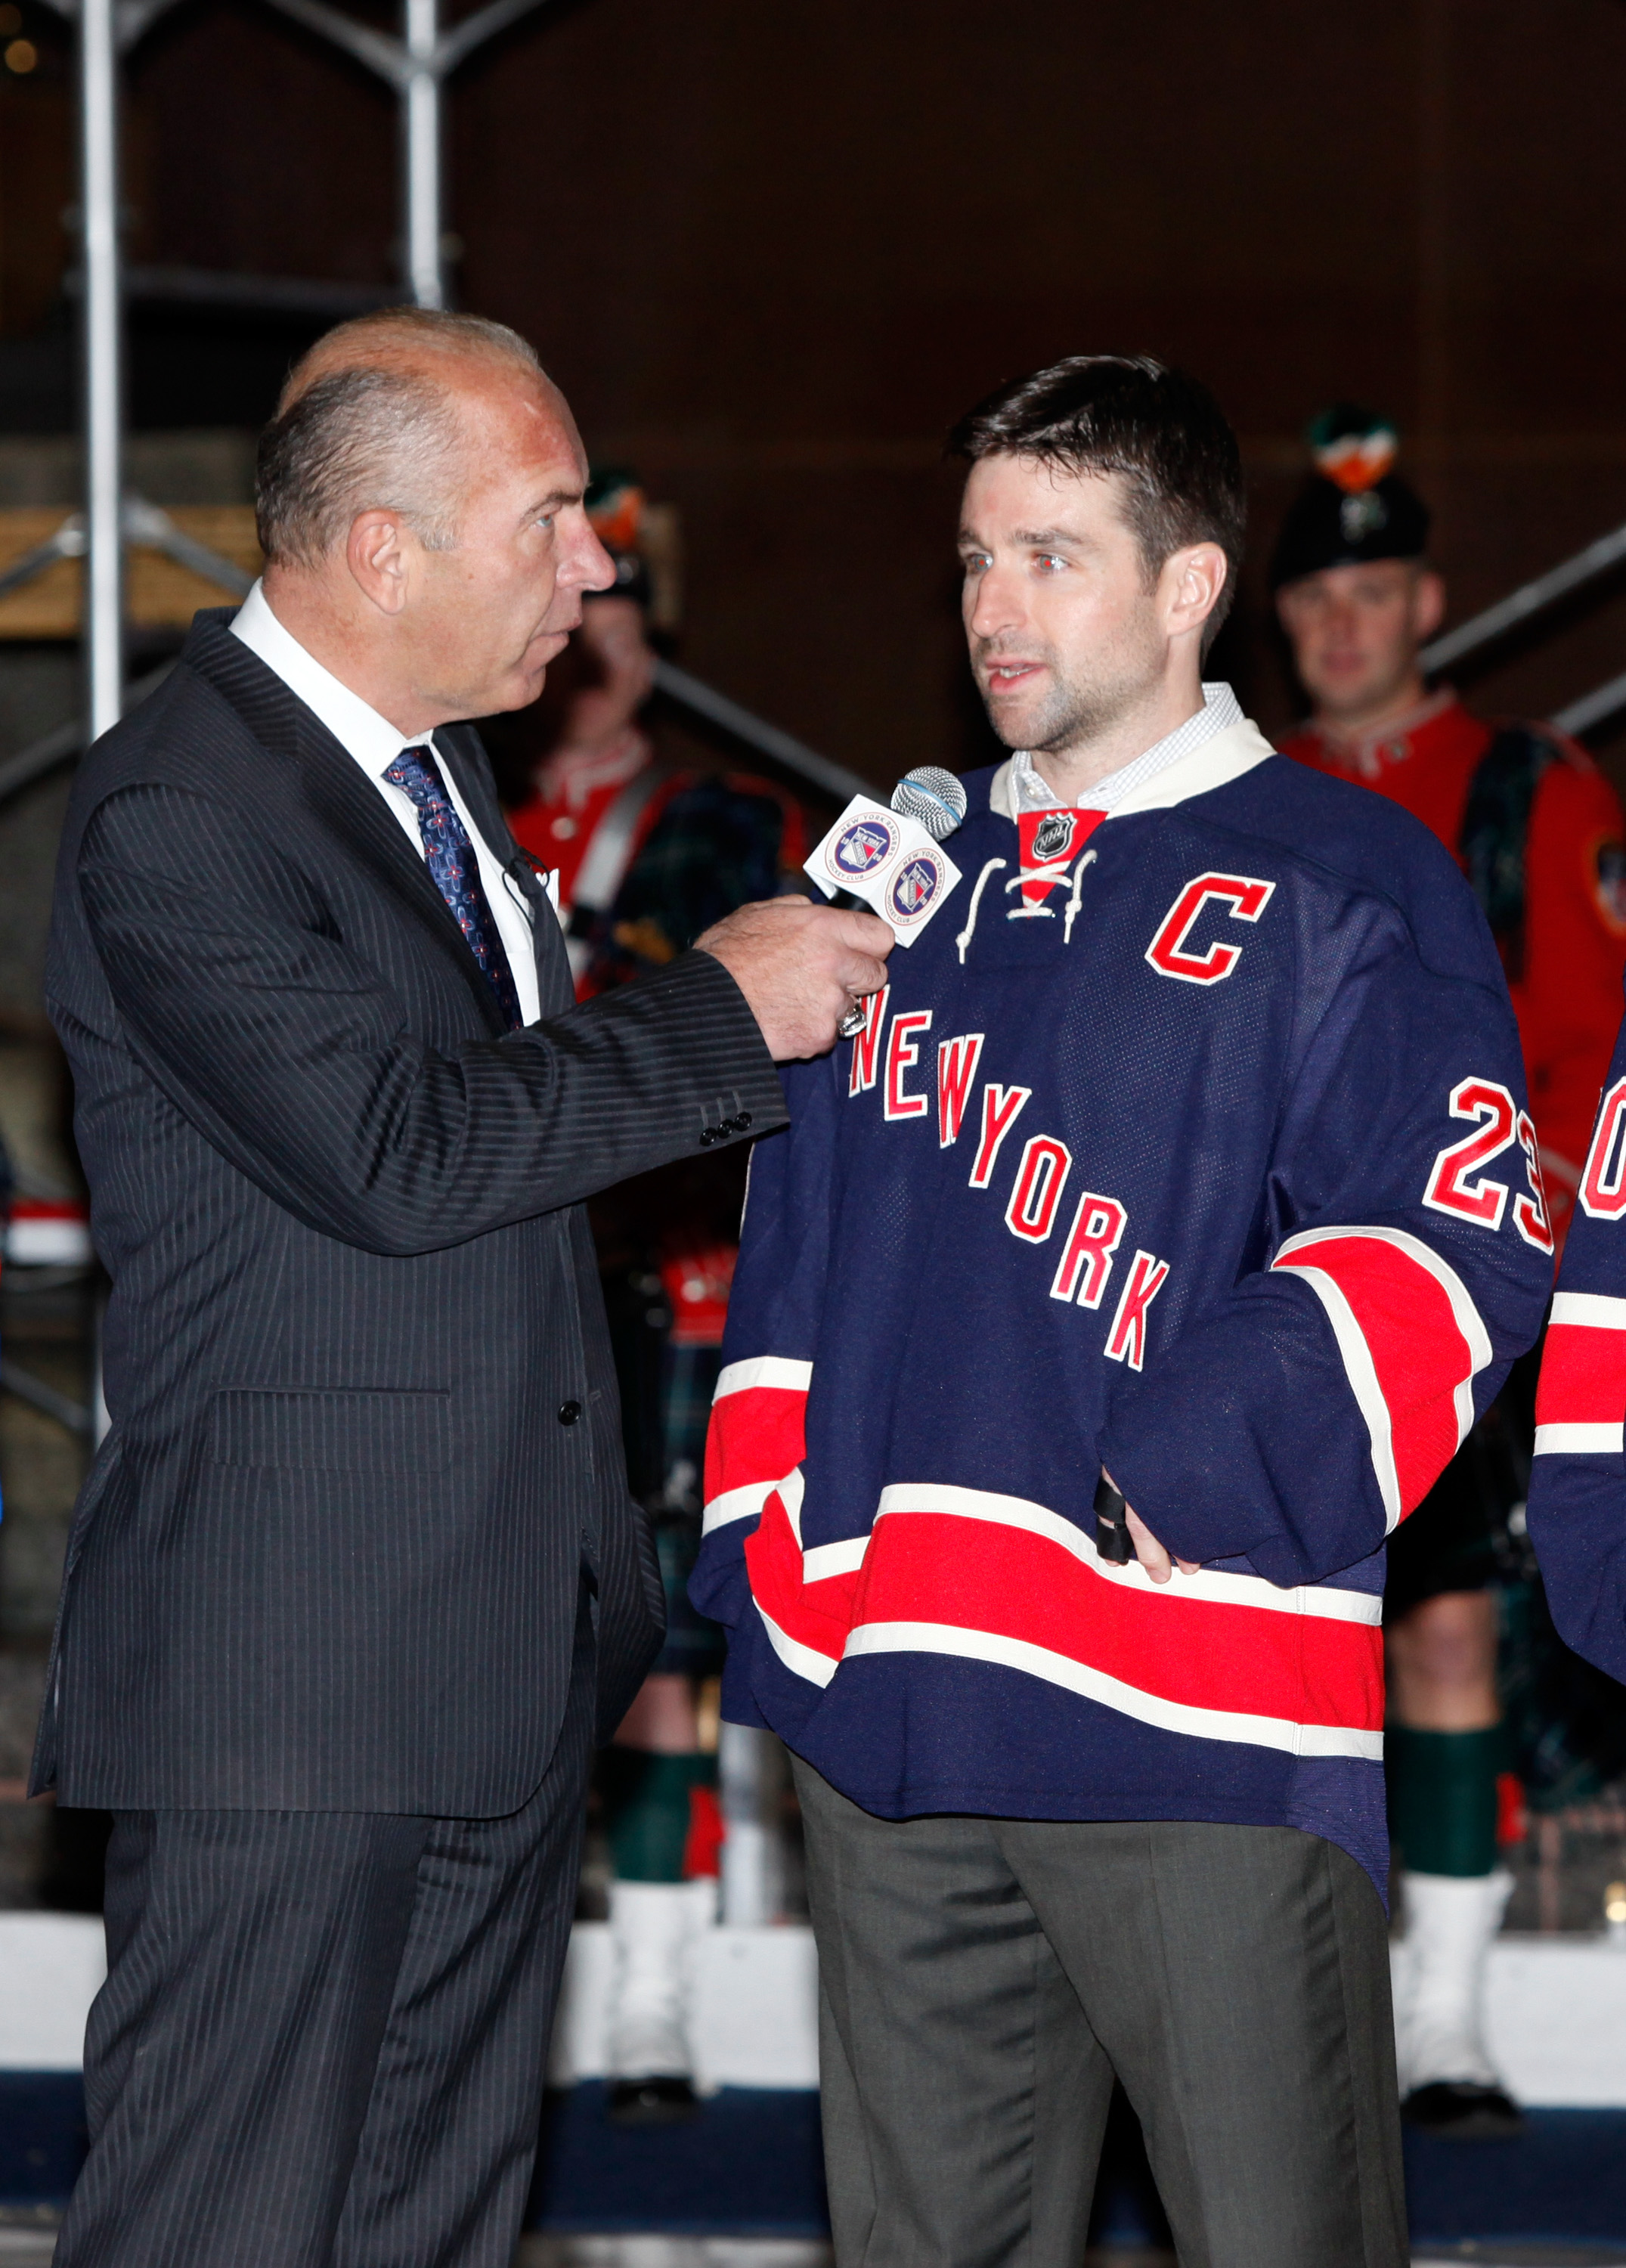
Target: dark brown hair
1160, 431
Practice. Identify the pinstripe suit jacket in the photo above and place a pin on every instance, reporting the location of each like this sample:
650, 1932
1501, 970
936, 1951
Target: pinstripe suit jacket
327, 1557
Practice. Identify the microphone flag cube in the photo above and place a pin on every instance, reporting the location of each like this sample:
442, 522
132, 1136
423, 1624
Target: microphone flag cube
889, 861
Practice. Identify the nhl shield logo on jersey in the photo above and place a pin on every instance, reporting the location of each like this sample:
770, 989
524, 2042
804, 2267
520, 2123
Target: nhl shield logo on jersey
860, 849
915, 889
1048, 840
1053, 837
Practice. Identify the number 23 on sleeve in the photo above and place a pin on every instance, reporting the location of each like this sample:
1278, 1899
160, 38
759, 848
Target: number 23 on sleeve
1458, 1184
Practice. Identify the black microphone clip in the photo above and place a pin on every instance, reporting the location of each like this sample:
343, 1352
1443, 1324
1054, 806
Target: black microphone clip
1112, 1540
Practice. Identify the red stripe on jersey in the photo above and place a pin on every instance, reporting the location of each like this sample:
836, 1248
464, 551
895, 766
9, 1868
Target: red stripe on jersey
1583, 1381
814, 1615
1198, 1652
755, 1436
1411, 1341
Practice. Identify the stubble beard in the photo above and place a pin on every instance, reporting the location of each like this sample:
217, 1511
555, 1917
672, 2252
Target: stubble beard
1069, 716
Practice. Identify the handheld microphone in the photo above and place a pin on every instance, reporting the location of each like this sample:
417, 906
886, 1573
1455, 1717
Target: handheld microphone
935, 800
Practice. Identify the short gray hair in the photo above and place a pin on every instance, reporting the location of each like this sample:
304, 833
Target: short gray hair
376, 430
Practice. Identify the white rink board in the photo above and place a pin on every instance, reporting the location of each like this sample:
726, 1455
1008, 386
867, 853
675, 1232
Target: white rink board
51, 1968
756, 2008
1556, 2021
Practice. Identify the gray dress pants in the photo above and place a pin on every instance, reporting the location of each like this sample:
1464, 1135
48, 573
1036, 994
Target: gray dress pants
984, 1980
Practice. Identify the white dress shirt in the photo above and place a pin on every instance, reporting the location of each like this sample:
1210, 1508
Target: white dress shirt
374, 742
1219, 711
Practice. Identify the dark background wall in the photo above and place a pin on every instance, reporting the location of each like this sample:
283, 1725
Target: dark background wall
770, 252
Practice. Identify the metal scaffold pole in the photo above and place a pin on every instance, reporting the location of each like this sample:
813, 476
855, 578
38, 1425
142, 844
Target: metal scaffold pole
416, 67
98, 195
422, 154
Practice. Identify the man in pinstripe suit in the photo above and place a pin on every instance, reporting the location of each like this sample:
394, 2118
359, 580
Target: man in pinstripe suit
355, 1569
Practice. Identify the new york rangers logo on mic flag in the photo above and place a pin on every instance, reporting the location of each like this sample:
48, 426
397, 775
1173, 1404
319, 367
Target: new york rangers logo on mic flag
889, 860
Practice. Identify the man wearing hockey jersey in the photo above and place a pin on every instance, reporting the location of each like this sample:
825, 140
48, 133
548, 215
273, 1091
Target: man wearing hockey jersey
1187, 1146
1577, 1477
1538, 831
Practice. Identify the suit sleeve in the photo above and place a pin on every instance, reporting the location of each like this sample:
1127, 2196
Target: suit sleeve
1577, 1479
1405, 1261
290, 1052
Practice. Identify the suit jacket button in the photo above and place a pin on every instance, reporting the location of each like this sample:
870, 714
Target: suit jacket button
568, 1413
742, 1123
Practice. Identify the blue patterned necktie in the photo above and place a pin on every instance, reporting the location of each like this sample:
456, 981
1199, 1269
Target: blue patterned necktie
452, 861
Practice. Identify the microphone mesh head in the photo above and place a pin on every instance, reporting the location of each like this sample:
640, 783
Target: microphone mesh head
934, 797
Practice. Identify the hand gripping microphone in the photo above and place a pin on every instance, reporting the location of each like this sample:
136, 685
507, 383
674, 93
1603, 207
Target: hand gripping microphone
936, 801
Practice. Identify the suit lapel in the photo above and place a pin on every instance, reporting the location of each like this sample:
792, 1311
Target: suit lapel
335, 788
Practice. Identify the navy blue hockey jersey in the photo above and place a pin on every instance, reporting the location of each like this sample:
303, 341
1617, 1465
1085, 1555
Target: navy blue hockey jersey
1578, 1480
1202, 1155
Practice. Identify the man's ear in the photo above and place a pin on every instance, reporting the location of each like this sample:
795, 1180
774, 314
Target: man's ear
1428, 605
1193, 580
375, 552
